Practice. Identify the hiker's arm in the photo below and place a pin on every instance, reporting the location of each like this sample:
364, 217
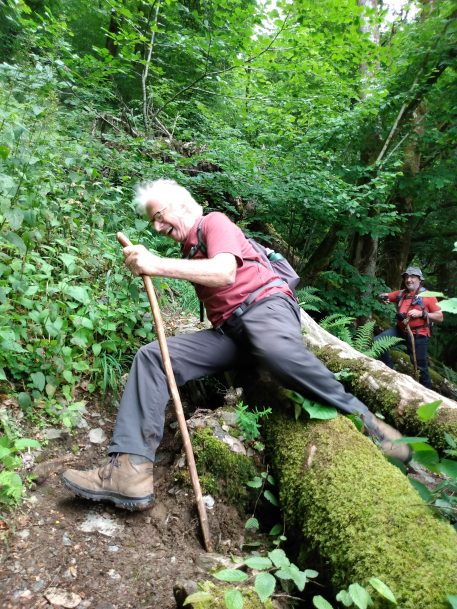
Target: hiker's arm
435, 316
214, 272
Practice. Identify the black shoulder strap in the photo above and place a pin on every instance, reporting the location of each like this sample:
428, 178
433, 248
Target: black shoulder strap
201, 246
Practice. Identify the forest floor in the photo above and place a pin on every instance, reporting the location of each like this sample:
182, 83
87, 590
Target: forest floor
62, 551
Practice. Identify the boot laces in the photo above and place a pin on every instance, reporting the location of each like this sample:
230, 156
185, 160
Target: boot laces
107, 470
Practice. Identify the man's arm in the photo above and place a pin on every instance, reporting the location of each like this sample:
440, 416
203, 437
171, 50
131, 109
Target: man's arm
219, 271
435, 316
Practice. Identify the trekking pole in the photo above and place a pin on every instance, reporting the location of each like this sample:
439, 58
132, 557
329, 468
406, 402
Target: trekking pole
413, 344
156, 314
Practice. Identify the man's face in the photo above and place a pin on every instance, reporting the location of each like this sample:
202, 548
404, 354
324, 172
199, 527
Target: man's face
412, 282
169, 220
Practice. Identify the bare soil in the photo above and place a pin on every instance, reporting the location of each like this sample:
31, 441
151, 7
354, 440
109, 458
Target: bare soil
62, 551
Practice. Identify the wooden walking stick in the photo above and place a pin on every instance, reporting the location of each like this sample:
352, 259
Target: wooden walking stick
413, 344
156, 314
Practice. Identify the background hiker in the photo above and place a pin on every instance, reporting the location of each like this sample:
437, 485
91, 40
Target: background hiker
253, 314
417, 313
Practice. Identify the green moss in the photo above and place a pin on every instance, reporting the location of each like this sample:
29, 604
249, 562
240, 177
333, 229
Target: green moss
223, 472
384, 400
360, 513
251, 600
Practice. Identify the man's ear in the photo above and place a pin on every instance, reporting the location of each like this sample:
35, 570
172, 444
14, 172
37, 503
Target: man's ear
179, 209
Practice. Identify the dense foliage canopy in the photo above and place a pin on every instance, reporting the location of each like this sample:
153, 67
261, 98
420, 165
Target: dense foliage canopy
329, 127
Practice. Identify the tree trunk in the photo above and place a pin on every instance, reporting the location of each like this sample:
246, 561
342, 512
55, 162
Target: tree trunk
397, 396
360, 513
321, 256
113, 29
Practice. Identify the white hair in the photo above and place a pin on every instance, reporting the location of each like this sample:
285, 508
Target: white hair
168, 192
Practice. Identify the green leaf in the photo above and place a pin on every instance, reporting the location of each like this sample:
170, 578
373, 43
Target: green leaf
77, 293
12, 484
231, 575
251, 523
359, 595
233, 599
270, 497
319, 411
264, 585
2, 374
4, 152
258, 562
448, 468
311, 573
449, 306
279, 558
68, 376
4, 452
428, 411
25, 401
452, 598
320, 603
23, 443
255, 483
450, 440
383, 589
80, 366
410, 440
68, 260
15, 218
198, 597
38, 380
96, 348
426, 455
15, 240
276, 530
423, 491
344, 597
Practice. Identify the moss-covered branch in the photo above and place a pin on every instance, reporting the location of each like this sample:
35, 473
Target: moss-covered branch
360, 513
397, 396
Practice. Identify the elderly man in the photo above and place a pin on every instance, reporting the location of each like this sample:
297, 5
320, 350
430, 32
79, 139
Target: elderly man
417, 313
268, 330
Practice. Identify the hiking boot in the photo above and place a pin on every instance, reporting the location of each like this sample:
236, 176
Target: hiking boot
128, 485
384, 435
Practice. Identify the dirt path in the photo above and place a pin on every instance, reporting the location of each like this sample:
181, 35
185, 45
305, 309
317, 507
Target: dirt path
61, 551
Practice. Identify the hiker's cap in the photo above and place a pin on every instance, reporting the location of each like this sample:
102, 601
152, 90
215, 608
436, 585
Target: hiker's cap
413, 270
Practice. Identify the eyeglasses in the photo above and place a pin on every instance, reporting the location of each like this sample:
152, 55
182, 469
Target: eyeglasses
158, 216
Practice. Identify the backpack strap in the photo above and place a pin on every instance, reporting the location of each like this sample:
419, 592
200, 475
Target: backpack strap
238, 312
199, 247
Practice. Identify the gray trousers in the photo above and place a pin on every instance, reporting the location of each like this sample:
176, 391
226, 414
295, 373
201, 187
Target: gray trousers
269, 331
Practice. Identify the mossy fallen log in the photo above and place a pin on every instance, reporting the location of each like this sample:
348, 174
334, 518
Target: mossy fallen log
397, 396
360, 513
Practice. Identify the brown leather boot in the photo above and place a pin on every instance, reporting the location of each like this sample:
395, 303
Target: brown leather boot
384, 435
127, 485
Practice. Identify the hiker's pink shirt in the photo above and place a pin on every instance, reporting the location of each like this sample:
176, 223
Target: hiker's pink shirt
222, 236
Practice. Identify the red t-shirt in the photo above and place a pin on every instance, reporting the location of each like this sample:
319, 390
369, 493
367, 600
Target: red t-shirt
418, 325
221, 235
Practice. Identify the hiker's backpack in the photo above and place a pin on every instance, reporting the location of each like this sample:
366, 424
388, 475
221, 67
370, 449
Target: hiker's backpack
273, 260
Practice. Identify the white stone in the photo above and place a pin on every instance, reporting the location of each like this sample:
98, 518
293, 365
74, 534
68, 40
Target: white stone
97, 435
62, 598
100, 524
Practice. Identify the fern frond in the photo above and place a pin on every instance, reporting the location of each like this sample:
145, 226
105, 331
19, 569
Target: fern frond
337, 325
334, 320
308, 299
381, 345
343, 334
364, 336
